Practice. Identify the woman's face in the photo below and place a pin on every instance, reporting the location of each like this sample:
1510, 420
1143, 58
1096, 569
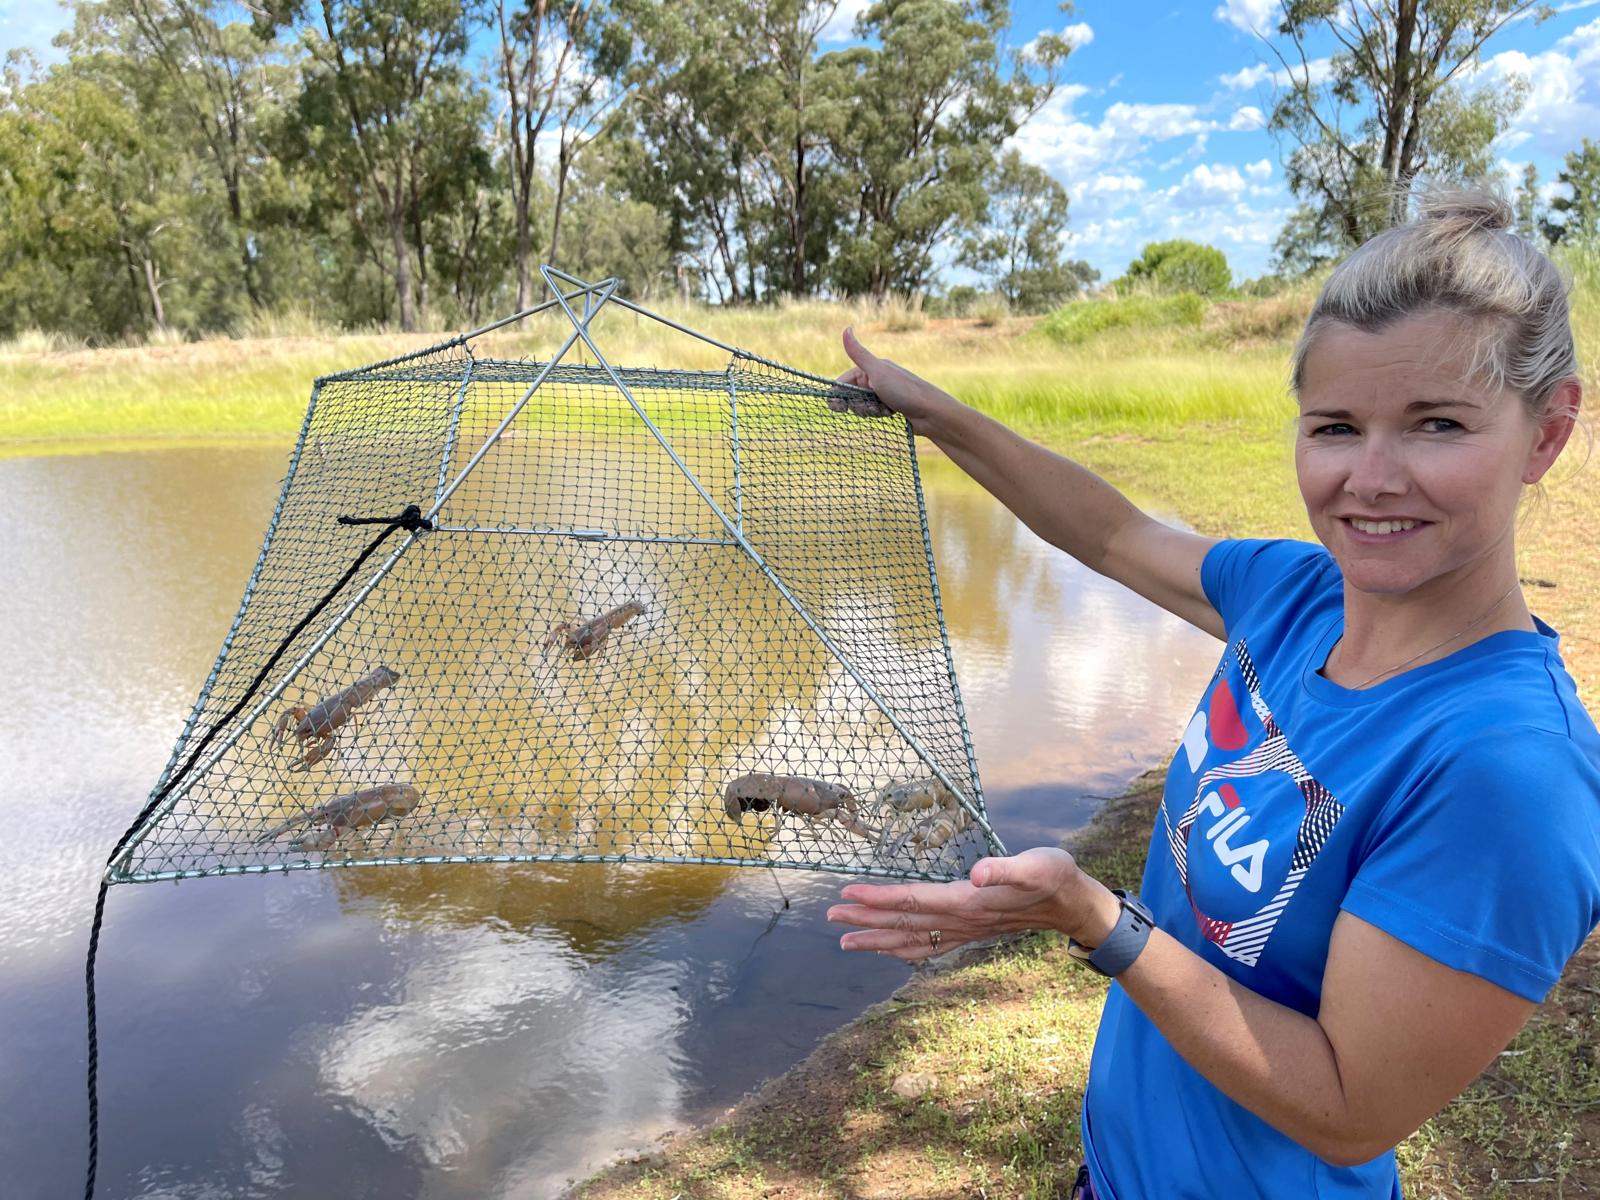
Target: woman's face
1411, 470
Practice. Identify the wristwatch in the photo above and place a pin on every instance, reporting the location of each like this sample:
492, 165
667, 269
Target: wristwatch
1122, 945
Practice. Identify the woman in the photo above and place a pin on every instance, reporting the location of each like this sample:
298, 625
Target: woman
1379, 841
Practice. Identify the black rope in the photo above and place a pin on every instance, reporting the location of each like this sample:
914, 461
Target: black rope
410, 520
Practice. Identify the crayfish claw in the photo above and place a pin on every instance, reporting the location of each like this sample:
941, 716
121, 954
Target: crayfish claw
319, 751
280, 727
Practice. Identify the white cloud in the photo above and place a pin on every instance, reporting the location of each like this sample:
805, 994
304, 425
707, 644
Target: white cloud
1214, 184
1077, 36
1247, 117
1563, 103
1260, 169
1251, 16
1246, 77
1075, 150
1314, 70
1100, 196
841, 27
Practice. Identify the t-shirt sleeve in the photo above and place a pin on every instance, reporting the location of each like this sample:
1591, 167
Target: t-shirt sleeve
1237, 573
1491, 864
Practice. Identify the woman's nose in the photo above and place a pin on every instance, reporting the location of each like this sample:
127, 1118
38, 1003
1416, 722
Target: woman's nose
1378, 469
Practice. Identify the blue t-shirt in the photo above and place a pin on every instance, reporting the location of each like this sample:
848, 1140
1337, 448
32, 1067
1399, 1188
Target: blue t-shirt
1455, 806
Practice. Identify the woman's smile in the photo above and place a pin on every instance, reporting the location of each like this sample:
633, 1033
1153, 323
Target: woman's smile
1382, 531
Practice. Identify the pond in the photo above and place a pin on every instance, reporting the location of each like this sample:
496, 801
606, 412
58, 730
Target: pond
440, 1031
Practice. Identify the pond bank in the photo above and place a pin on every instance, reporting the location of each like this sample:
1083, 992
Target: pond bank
967, 1083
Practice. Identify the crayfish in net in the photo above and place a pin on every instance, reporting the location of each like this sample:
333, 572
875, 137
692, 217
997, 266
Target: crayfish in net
584, 641
355, 810
318, 723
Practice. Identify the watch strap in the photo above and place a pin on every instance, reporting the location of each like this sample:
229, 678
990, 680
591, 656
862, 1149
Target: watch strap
1125, 941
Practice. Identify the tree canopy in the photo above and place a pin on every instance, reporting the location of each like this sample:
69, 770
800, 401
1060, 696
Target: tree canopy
191, 165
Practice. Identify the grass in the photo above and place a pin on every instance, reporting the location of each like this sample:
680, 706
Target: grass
53, 394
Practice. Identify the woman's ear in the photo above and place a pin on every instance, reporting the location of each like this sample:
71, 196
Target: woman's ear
1555, 427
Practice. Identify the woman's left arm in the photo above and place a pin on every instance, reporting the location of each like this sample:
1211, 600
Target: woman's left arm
1398, 1035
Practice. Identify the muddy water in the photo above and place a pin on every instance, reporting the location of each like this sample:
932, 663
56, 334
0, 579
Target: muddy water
438, 1031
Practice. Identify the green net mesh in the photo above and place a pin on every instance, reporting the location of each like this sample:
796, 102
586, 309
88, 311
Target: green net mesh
598, 652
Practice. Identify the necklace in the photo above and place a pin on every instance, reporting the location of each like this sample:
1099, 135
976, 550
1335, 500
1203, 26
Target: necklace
1462, 632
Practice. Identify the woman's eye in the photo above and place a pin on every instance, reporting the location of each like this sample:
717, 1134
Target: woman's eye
1337, 429
1441, 425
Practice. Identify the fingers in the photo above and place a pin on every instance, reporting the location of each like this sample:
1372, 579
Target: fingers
858, 353
993, 872
887, 918
903, 944
909, 897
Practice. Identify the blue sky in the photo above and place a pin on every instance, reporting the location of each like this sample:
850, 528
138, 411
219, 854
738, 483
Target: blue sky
1157, 129
1157, 132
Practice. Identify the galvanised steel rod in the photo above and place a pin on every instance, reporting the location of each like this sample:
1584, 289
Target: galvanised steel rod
733, 411
460, 339
591, 535
700, 860
624, 302
450, 434
949, 656
843, 659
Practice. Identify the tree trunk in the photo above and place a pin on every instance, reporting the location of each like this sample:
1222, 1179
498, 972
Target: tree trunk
236, 211
563, 165
797, 218
402, 272
1400, 127
154, 289
133, 280
524, 255
422, 261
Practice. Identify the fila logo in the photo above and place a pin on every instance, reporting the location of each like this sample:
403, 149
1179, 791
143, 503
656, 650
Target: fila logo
1246, 861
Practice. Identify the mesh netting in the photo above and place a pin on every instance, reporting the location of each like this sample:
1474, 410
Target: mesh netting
584, 659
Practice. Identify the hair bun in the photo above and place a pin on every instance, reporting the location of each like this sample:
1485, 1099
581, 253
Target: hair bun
1464, 210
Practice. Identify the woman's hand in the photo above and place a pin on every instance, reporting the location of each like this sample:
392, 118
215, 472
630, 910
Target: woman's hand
910, 395
1037, 889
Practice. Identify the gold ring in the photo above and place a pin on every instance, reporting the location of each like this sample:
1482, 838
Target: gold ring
933, 938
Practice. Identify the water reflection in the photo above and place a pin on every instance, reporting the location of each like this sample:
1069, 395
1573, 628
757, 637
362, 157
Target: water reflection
441, 1031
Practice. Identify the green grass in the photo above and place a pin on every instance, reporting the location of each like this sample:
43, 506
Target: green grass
1084, 319
53, 395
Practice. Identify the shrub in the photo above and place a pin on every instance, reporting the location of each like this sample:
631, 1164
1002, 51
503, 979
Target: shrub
1181, 266
1083, 319
988, 311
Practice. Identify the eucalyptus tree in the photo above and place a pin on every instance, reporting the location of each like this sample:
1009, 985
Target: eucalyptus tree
1393, 99
791, 106
1020, 244
99, 223
556, 67
932, 91
385, 112
217, 70
1575, 213
688, 107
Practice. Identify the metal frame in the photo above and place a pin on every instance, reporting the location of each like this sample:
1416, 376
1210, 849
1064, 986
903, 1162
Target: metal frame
595, 298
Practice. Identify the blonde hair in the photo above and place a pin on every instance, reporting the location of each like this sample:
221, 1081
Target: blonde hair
1459, 255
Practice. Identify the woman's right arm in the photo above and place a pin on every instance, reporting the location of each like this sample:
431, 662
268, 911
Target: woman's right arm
1065, 504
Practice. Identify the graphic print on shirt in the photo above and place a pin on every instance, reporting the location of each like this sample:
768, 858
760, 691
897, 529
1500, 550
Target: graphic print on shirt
1254, 824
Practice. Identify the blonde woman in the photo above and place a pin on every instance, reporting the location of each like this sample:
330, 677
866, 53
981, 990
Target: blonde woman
1380, 837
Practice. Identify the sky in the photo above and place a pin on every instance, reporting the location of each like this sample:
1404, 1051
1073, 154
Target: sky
1157, 128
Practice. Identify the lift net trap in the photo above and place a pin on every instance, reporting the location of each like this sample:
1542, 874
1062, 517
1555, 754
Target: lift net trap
639, 615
